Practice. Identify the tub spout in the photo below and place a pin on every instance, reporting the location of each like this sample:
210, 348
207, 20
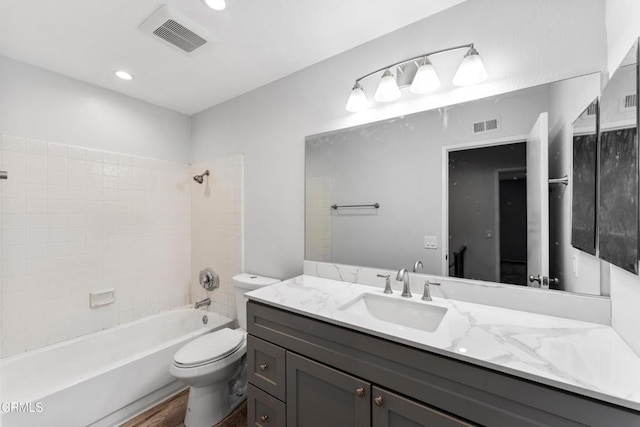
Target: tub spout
205, 302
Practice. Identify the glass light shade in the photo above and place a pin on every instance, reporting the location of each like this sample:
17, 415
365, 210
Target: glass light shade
216, 4
471, 70
357, 100
388, 89
426, 80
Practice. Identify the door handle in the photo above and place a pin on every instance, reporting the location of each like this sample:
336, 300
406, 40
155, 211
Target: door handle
543, 281
4, 175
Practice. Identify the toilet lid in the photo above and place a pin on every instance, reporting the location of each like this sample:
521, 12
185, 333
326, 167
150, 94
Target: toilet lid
210, 347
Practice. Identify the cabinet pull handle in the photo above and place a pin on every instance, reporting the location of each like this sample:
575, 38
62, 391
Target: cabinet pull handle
264, 418
360, 391
378, 401
264, 367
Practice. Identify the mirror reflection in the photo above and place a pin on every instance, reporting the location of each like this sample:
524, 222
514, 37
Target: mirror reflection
456, 187
585, 143
618, 164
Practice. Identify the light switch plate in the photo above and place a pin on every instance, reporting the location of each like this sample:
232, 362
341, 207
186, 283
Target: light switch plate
430, 242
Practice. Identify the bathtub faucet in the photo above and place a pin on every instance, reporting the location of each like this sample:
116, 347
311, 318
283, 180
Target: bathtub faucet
205, 302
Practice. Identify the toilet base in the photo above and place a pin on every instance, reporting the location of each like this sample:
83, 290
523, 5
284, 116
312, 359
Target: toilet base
209, 405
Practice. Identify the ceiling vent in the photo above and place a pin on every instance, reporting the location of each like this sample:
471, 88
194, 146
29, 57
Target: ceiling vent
176, 30
492, 125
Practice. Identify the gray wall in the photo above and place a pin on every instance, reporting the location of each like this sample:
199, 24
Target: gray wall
39, 104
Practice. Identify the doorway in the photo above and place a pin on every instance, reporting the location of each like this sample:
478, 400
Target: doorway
487, 213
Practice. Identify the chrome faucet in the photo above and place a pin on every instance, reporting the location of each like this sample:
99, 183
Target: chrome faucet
403, 275
416, 265
205, 302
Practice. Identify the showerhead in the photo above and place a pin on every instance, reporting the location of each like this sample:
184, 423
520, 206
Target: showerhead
200, 178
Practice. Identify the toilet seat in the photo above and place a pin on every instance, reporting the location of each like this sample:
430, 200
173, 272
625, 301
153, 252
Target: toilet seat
210, 348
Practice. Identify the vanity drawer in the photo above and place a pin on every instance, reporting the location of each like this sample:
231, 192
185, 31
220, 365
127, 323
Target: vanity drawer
266, 366
264, 410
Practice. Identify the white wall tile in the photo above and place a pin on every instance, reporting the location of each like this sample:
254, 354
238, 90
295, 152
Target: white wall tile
216, 226
67, 230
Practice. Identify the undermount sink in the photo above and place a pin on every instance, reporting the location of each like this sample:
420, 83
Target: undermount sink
401, 312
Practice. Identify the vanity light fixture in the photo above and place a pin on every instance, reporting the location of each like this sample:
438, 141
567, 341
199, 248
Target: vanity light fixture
216, 4
124, 75
471, 71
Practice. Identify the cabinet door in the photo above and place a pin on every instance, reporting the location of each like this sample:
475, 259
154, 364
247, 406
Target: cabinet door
318, 396
392, 410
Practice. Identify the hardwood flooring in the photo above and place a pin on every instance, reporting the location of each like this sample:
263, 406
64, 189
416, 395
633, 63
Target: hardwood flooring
171, 412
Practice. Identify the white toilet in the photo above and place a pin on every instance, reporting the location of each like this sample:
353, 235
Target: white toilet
214, 365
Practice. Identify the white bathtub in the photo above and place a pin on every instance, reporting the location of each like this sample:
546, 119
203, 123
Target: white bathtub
101, 378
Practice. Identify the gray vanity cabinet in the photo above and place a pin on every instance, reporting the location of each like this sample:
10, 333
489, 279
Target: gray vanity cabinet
393, 410
331, 376
319, 396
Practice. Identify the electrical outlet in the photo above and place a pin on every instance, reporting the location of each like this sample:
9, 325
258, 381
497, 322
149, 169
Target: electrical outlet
430, 242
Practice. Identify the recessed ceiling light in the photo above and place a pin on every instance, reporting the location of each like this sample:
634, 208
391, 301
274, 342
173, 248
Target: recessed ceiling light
124, 75
216, 4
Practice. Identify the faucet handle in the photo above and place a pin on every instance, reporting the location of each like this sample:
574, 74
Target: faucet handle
387, 286
426, 296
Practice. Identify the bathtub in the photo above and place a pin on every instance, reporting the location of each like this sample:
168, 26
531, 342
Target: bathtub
103, 378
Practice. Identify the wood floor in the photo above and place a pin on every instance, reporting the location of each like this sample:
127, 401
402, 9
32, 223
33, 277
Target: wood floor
170, 413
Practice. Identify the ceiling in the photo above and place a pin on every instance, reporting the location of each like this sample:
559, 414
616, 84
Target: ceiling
259, 41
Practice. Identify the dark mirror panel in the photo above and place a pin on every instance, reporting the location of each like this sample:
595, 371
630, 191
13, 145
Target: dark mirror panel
618, 165
585, 164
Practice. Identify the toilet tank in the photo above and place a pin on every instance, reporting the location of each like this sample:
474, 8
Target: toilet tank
243, 283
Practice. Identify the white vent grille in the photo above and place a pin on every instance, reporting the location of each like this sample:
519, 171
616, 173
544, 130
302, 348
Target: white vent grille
492, 125
179, 36
176, 30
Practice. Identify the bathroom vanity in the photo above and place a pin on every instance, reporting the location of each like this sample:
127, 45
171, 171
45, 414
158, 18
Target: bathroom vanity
320, 354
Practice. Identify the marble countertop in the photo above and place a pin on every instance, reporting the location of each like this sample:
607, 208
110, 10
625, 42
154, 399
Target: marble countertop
581, 357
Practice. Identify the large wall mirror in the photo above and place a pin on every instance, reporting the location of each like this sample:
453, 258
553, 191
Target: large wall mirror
463, 188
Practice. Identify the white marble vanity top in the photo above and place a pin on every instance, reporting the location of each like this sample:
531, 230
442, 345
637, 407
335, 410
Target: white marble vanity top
586, 358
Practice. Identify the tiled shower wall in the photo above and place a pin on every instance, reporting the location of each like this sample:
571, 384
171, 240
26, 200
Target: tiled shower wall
75, 220
216, 242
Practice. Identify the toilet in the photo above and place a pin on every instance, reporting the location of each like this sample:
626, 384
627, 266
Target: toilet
214, 365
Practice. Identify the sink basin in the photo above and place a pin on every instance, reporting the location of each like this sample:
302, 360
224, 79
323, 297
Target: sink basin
400, 312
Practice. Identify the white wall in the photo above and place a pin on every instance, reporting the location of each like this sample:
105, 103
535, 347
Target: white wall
623, 29
39, 104
269, 124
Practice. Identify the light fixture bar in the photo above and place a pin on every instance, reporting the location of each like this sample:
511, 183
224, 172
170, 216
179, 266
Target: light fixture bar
415, 58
